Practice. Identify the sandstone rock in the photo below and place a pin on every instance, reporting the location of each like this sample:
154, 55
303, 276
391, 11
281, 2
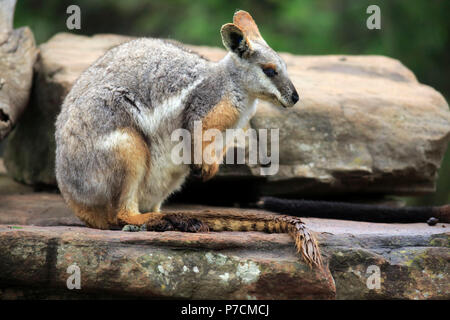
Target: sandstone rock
38, 244
411, 264
170, 265
17, 56
363, 124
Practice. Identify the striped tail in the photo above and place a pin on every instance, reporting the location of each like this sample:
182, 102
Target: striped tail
230, 220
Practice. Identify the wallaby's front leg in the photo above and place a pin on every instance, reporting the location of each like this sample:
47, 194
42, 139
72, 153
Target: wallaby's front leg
211, 167
223, 116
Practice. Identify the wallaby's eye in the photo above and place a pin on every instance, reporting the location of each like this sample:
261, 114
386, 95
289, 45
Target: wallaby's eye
269, 71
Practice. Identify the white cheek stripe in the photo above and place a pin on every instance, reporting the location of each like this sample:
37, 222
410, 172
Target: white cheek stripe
149, 120
246, 115
263, 82
271, 88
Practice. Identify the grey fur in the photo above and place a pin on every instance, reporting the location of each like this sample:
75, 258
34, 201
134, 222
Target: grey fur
128, 86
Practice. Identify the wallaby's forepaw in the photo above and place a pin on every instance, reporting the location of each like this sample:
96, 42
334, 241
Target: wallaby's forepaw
209, 171
204, 171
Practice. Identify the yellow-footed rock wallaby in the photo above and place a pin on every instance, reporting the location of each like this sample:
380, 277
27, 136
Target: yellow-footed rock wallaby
113, 163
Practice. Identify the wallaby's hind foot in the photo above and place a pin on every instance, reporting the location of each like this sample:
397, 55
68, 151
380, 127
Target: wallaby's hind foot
185, 224
160, 222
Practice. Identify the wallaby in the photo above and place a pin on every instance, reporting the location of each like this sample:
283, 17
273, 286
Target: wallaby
113, 145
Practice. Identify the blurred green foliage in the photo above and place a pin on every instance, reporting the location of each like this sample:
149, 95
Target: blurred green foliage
414, 31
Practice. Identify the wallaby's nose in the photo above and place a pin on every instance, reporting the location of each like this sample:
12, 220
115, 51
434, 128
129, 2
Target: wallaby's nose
295, 97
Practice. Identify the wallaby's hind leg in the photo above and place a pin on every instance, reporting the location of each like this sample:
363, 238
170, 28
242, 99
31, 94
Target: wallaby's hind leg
93, 217
135, 159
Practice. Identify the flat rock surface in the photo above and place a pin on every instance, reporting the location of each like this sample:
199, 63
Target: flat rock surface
49, 209
40, 238
364, 124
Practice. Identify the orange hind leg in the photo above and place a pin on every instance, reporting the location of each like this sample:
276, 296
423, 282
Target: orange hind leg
132, 155
135, 157
97, 218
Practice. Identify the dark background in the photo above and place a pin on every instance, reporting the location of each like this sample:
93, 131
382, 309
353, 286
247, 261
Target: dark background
417, 32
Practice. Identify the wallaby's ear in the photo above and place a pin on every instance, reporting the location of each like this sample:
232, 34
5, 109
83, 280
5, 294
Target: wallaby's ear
245, 22
234, 40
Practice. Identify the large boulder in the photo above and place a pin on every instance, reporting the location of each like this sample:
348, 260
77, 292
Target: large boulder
363, 124
18, 54
40, 238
